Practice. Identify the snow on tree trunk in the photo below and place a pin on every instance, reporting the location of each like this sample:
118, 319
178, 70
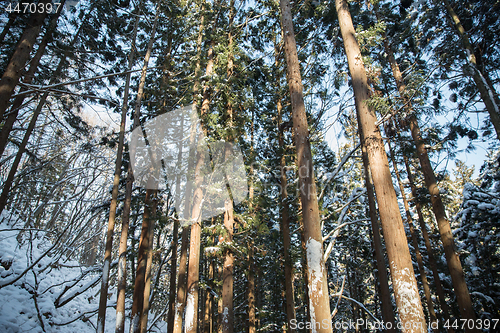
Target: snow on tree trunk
403, 279
387, 310
319, 298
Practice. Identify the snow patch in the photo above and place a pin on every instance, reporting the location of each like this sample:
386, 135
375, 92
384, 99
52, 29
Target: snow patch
190, 312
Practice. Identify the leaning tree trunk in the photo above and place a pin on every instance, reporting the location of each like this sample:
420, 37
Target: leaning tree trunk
430, 255
487, 92
31, 126
28, 78
403, 278
18, 60
452, 259
319, 302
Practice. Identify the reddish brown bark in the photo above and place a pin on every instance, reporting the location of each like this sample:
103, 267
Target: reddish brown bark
17, 62
414, 238
403, 278
28, 78
385, 295
319, 303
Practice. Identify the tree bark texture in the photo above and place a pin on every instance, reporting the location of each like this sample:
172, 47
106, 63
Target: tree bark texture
28, 78
385, 296
319, 298
403, 278
430, 255
191, 315
17, 62
414, 238
452, 259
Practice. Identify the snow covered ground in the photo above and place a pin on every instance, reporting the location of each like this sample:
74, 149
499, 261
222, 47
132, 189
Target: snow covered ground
56, 295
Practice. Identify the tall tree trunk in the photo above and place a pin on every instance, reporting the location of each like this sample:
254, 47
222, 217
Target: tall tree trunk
175, 238
227, 272
403, 278
17, 62
452, 259
385, 296
191, 315
285, 227
454, 265
142, 262
142, 257
120, 318
182, 283
122, 250
319, 302
250, 258
28, 78
150, 209
487, 92
122, 256
209, 300
430, 255
414, 238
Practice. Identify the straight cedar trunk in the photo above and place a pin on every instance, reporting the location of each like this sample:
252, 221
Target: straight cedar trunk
228, 268
227, 272
403, 278
487, 91
180, 302
191, 315
150, 210
142, 262
31, 126
175, 239
430, 255
250, 258
209, 300
414, 238
319, 298
251, 290
122, 257
452, 259
101, 316
144, 243
385, 296
18, 60
122, 250
28, 78
285, 227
